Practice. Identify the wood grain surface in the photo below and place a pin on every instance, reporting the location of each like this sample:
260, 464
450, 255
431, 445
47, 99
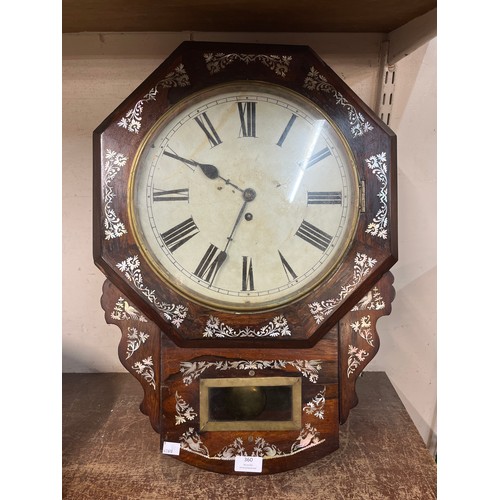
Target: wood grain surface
109, 451
240, 15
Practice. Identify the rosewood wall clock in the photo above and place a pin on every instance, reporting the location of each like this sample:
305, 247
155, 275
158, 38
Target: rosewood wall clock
245, 219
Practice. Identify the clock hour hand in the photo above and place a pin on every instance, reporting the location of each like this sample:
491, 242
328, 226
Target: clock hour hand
210, 171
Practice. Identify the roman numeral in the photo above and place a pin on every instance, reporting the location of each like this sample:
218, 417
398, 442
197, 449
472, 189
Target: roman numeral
290, 274
286, 131
247, 112
207, 127
324, 198
171, 195
178, 235
247, 275
313, 235
315, 158
210, 264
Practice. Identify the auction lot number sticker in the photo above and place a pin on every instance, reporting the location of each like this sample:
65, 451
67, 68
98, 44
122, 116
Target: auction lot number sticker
248, 464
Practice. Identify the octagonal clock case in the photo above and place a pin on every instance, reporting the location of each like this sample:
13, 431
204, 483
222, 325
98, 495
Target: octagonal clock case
245, 219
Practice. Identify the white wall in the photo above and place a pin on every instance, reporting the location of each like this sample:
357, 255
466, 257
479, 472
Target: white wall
408, 336
100, 70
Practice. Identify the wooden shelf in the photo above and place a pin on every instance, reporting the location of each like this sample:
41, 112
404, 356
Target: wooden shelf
109, 450
299, 16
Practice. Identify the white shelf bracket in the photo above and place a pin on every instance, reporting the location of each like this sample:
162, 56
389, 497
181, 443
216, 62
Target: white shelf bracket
387, 86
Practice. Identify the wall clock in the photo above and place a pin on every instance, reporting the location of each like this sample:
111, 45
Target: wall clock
245, 219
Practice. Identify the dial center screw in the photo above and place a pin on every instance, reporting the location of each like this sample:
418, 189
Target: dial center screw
249, 194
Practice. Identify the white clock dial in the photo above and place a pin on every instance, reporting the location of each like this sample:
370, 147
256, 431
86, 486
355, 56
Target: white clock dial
244, 197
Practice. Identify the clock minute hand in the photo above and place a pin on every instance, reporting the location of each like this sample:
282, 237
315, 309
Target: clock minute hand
248, 195
218, 263
230, 237
223, 255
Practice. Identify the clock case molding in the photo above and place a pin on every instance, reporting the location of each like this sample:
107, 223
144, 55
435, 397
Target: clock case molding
195, 66
170, 343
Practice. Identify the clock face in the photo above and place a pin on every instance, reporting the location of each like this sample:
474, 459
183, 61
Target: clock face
244, 196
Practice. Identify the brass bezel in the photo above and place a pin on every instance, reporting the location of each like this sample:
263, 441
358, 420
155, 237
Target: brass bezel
250, 425
197, 297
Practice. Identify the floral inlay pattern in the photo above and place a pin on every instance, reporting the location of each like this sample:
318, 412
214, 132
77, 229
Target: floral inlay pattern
261, 449
124, 311
146, 370
372, 301
275, 328
131, 269
378, 227
264, 449
113, 226
132, 120
316, 406
356, 357
362, 266
183, 410
363, 329
309, 436
134, 340
191, 441
315, 81
192, 370
232, 450
217, 62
